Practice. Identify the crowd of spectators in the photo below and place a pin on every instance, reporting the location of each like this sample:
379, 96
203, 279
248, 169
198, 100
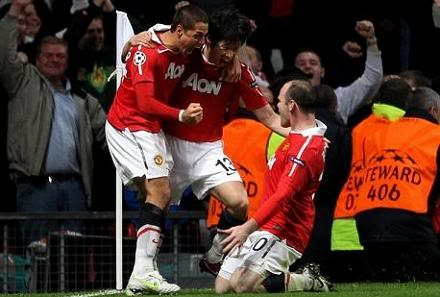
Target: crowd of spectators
345, 47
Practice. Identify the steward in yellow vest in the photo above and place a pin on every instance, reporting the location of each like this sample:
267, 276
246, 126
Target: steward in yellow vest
401, 166
392, 207
344, 233
390, 105
395, 204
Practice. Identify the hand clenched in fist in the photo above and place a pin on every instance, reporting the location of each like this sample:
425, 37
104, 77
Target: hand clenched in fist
193, 114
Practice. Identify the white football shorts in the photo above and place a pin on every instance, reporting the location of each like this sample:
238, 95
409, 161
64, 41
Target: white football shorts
262, 253
202, 165
139, 153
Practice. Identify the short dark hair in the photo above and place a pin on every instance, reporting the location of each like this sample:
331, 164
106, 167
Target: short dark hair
280, 81
424, 98
309, 49
188, 16
417, 77
326, 97
304, 95
395, 92
51, 40
230, 25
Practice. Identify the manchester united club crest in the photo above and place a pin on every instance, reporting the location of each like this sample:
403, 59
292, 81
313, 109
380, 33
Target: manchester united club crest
158, 159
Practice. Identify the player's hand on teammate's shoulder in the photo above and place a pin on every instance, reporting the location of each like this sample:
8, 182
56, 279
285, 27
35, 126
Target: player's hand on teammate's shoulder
144, 38
193, 114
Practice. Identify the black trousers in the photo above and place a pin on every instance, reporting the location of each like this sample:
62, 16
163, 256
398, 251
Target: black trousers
402, 261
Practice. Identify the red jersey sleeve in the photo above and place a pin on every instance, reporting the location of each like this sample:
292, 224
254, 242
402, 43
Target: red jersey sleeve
141, 64
249, 91
297, 173
141, 67
148, 105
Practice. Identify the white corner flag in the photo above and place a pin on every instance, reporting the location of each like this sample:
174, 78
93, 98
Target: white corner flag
124, 31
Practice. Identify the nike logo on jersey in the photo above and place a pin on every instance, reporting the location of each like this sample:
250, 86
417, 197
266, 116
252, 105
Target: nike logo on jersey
202, 85
160, 51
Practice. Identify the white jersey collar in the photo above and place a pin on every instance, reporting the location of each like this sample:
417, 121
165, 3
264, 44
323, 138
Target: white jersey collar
319, 130
158, 28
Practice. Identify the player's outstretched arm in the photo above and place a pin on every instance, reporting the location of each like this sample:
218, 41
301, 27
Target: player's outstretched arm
271, 120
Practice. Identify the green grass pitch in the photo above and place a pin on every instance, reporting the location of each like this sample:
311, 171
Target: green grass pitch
419, 289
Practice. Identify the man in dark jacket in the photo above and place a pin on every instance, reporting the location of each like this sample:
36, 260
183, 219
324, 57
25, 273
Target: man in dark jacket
51, 129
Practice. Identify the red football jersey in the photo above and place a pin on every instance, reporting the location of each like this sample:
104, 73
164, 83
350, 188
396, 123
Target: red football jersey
160, 69
294, 174
200, 83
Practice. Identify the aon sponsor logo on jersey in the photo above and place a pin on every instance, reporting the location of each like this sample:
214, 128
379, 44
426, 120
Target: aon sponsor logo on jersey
174, 71
202, 85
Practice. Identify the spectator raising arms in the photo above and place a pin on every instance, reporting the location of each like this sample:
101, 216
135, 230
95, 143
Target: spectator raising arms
52, 127
351, 97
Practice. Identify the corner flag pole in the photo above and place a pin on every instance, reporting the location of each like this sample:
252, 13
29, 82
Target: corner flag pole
124, 31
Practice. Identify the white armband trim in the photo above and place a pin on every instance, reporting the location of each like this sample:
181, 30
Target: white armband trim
181, 115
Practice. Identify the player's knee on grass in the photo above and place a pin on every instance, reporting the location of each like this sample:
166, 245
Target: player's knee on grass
240, 285
222, 285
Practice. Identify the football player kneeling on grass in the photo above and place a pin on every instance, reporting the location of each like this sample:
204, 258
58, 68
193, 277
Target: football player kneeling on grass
261, 250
